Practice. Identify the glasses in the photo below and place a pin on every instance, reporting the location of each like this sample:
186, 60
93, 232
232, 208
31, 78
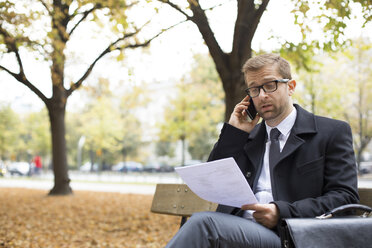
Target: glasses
267, 87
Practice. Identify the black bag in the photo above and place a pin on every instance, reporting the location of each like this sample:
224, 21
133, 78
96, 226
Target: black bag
325, 231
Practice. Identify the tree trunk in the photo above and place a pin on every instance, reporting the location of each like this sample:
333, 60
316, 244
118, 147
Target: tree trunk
358, 159
63, 23
234, 93
229, 65
183, 153
60, 169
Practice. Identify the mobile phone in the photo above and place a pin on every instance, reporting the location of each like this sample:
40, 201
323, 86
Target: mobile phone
251, 111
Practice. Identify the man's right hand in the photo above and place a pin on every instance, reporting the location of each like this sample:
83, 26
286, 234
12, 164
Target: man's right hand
239, 117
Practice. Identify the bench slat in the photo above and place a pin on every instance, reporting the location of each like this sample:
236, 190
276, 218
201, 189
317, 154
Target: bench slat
365, 195
178, 199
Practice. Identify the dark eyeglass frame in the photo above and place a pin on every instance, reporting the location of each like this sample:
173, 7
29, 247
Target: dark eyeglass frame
276, 81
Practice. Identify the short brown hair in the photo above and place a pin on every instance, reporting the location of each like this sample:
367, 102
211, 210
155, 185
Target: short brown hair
260, 61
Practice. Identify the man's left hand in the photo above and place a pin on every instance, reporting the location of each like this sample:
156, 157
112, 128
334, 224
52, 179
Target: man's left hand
265, 214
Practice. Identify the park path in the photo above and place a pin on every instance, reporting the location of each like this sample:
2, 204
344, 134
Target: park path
125, 188
130, 185
126, 184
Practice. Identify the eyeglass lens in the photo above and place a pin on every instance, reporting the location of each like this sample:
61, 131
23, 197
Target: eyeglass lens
267, 87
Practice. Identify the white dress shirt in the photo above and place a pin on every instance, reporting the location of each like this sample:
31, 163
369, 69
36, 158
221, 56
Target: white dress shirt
263, 190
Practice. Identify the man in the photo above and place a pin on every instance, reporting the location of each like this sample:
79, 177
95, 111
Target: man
306, 170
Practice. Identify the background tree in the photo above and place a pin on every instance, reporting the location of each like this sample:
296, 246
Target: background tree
193, 114
320, 91
339, 87
73, 134
34, 136
101, 124
208, 92
130, 129
332, 17
164, 148
8, 131
356, 65
44, 29
108, 121
24, 135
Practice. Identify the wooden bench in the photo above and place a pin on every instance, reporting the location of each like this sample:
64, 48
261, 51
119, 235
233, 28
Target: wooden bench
365, 195
179, 200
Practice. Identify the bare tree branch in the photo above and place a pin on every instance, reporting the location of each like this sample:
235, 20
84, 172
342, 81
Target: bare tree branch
146, 43
131, 4
200, 19
245, 27
112, 47
76, 85
262, 8
11, 44
22, 79
85, 14
176, 7
8, 71
218, 5
60, 19
46, 7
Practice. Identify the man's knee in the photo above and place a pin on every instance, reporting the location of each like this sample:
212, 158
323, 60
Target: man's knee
198, 231
202, 219
202, 216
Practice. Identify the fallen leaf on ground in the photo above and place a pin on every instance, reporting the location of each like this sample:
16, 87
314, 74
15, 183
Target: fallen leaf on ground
30, 218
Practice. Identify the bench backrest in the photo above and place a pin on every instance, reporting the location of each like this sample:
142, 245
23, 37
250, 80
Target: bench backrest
365, 196
178, 199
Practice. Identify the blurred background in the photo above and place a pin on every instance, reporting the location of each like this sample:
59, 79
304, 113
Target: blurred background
119, 88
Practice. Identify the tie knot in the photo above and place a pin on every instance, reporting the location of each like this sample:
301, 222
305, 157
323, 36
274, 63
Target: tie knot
274, 134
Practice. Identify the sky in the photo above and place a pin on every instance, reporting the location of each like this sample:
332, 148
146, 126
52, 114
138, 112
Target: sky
160, 66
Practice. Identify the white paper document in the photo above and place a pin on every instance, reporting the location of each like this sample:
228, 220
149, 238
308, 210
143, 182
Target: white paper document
219, 181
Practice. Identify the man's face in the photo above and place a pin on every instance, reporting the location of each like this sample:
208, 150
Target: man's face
275, 106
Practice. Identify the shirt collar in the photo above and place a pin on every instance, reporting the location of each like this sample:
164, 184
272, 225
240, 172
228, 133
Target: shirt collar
285, 126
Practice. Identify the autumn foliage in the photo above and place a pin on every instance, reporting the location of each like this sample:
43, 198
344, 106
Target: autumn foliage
30, 218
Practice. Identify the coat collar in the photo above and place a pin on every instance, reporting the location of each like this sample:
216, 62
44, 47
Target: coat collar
304, 124
255, 147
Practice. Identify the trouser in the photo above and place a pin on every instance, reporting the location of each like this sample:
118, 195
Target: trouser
213, 229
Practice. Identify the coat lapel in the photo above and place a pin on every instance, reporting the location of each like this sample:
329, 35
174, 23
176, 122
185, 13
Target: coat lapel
255, 146
304, 124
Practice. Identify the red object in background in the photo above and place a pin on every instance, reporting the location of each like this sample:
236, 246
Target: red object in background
37, 161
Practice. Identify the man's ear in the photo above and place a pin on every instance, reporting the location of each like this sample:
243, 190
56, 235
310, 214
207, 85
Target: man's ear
291, 86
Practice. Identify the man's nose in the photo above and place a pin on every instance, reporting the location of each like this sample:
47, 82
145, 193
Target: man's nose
262, 93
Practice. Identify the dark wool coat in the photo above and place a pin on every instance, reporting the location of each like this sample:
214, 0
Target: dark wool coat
316, 171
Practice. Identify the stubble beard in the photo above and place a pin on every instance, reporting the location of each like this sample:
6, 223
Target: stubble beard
272, 115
